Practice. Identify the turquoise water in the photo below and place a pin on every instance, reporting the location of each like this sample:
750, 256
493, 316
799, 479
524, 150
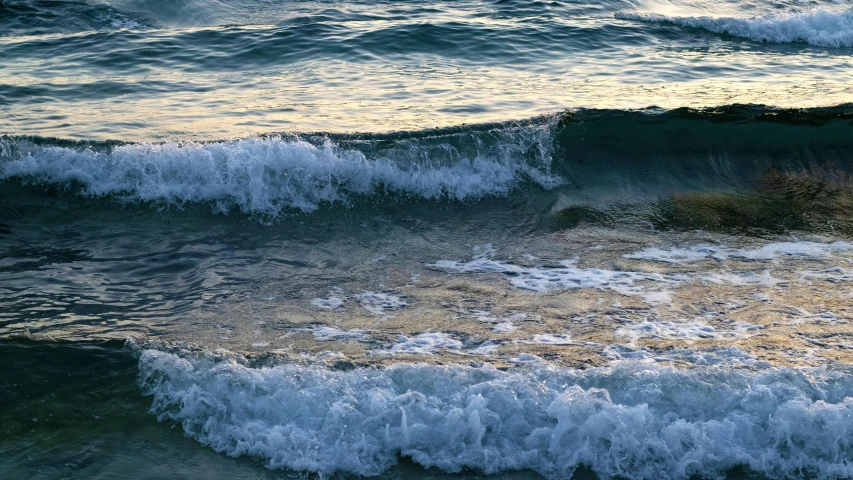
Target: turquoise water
452, 239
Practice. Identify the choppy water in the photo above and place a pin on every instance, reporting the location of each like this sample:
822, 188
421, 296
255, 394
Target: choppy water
475, 239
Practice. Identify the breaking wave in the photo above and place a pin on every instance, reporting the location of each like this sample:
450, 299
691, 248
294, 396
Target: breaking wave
657, 152
265, 175
821, 28
631, 420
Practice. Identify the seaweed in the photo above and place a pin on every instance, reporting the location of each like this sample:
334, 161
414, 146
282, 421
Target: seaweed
814, 200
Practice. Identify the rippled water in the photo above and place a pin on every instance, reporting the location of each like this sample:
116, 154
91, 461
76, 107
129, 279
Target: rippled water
471, 239
212, 70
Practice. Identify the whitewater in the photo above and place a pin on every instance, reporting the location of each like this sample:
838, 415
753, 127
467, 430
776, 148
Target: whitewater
455, 240
821, 28
630, 420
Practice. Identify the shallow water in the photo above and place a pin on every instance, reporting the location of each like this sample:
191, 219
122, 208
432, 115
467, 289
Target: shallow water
455, 240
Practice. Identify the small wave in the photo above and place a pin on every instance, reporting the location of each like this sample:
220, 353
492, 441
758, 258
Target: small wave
631, 420
39, 17
268, 175
821, 28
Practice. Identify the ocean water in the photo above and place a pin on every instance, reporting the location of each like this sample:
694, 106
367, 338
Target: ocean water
475, 239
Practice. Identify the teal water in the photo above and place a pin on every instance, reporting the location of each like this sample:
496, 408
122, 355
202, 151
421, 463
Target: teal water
452, 239
193, 252
206, 70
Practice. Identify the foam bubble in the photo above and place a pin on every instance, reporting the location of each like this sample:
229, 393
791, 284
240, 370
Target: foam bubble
675, 255
716, 252
632, 420
426, 343
485, 251
819, 27
326, 333
331, 302
487, 348
550, 339
834, 274
543, 279
764, 279
504, 327
380, 303
688, 331
529, 359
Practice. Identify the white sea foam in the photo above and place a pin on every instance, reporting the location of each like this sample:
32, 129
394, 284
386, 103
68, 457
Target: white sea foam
266, 175
426, 343
487, 348
550, 339
325, 333
834, 274
762, 297
331, 302
479, 315
764, 279
529, 359
485, 251
504, 327
380, 303
688, 331
729, 357
503, 323
676, 255
819, 27
716, 252
543, 279
633, 420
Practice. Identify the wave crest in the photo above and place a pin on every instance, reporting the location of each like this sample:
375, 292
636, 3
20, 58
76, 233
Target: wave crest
632, 420
268, 175
821, 28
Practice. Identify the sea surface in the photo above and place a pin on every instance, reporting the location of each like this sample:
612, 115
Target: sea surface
474, 239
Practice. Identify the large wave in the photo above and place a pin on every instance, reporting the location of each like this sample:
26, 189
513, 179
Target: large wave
631, 420
820, 27
268, 175
623, 156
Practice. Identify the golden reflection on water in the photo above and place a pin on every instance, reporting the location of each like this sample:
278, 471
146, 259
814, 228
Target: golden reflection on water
388, 101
